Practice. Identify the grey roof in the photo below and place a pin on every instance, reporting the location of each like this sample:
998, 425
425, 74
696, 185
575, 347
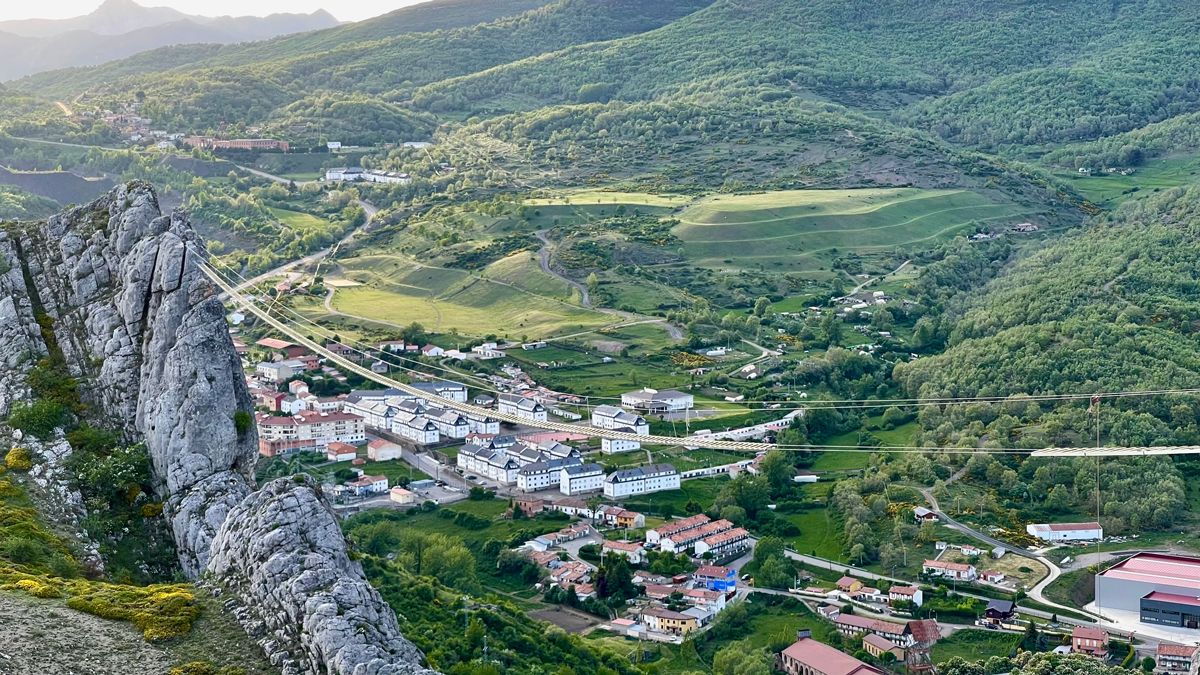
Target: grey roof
548, 465
373, 394
641, 472
619, 414
1002, 606
522, 402
576, 469
438, 386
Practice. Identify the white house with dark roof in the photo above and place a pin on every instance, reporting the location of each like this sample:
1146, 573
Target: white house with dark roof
490, 461
641, 480
522, 406
416, 428
543, 475
618, 419
455, 391
577, 479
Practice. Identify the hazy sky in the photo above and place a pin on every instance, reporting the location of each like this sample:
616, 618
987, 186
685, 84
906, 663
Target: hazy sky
346, 10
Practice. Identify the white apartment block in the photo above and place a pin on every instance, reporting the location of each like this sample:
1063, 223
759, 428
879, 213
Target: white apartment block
641, 480
521, 406
577, 479
543, 475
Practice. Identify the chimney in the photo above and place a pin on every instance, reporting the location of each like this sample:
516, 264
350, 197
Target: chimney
803, 634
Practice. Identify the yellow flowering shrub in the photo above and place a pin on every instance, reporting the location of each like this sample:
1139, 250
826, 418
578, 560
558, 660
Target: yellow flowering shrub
19, 459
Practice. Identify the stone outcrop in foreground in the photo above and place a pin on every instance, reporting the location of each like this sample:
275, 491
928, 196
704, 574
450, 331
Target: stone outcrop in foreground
143, 331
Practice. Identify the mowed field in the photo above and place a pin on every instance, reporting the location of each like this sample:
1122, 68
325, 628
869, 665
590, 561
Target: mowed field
512, 297
800, 229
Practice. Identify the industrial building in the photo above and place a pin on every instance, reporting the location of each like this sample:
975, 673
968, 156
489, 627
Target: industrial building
1163, 589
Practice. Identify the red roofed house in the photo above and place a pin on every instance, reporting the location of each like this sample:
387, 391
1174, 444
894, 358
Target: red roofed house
368, 485
911, 594
632, 552
806, 656
950, 570
878, 646
1177, 659
656, 535
379, 450
1089, 640
849, 584
853, 624
340, 452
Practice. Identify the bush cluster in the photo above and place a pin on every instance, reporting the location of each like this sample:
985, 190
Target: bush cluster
19, 459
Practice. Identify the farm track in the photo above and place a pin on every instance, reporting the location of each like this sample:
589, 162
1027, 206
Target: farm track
630, 318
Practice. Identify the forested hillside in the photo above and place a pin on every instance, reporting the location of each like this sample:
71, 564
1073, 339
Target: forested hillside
1113, 307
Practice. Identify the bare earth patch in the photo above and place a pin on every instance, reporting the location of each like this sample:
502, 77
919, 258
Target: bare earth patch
46, 638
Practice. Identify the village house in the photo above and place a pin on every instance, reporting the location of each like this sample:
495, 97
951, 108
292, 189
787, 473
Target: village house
1090, 641
278, 372
950, 570
662, 620
340, 452
365, 486
999, 612
399, 495
878, 646
716, 578
529, 506
615, 516
853, 624
379, 450
702, 597
848, 584
924, 515
911, 594
806, 656
633, 552
1177, 659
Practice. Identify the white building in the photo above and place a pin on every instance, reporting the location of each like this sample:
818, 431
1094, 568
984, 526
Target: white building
685, 541
481, 424
308, 431
279, 371
490, 459
344, 173
614, 418
454, 391
655, 401
416, 428
379, 450
673, 527
488, 351
523, 407
950, 570
340, 452
543, 475
631, 551
724, 543
368, 485
641, 480
1066, 531
577, 479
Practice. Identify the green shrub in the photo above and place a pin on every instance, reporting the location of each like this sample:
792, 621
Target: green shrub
39, 418
242, 421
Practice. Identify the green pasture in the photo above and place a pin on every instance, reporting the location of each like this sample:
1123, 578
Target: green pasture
512, 297
596, 197
1108, 190
300, 221
800, 229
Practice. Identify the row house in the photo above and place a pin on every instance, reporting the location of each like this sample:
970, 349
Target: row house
617, 419
685, 541
522, 406
724, 544
853, 624
662, 620
615, 516
543, 475
654, 536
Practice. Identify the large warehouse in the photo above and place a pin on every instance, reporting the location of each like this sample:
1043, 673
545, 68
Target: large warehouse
1163, 589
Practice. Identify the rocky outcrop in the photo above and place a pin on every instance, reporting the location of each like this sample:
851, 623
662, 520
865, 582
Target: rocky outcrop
283, 554
141, 328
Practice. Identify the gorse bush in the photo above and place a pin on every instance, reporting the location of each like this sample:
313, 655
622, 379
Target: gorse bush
19, 459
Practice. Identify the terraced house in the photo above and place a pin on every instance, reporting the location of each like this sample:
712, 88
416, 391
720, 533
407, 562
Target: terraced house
641, 480
522, 406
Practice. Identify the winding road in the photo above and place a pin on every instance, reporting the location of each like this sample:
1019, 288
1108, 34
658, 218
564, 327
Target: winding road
585, 297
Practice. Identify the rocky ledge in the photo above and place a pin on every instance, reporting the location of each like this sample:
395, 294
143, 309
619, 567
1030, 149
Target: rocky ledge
142, 330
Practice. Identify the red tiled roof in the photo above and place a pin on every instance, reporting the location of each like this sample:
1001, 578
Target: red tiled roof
904, 590
341, 448
365, 481
713, 572
825, 659
878, 641
1066, 527
1089, 633
924, 630
1182, 651
273, 343
869, 624
688, 523
622, 546
1158, 568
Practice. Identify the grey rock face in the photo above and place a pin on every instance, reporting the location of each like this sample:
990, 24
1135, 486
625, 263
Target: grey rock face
282, 552
143, 331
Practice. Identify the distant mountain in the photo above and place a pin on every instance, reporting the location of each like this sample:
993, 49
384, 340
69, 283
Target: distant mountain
122, 28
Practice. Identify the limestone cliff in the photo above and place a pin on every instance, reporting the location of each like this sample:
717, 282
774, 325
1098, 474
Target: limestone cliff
142, 330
